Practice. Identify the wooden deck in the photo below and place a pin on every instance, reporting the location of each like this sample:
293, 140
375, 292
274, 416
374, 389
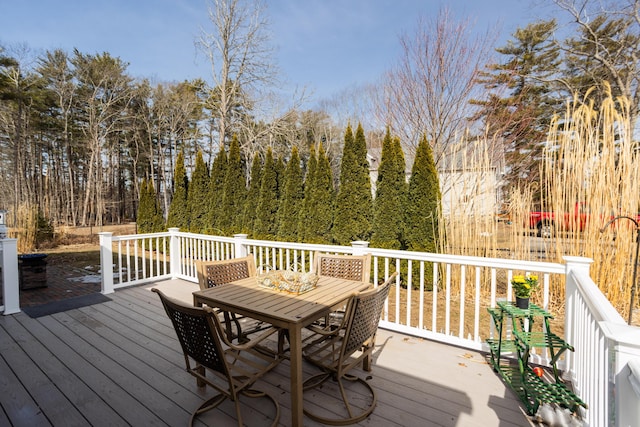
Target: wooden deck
119, 363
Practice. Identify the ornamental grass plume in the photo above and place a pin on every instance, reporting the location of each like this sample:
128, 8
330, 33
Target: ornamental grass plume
524, 285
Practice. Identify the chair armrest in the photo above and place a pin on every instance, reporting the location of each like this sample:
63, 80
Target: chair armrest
240, 347
327, 331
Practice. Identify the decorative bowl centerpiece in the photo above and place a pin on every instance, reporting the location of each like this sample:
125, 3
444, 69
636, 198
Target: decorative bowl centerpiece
293, 282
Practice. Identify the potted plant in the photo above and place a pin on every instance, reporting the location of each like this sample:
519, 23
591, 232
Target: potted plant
522, 287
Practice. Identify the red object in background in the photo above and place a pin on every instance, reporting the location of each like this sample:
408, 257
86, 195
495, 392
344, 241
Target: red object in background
538, 371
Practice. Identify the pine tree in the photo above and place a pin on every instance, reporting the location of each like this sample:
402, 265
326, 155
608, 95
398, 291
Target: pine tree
178, 214
253, 197
423, 202
234, 192
216, 190
292, 199
198, 196
354, 207
265, 226
522, 117
391, 189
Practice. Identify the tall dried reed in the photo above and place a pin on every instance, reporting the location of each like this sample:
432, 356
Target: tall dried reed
589, 159
26, 228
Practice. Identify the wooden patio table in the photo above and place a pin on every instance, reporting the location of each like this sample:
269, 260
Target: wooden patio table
285, 310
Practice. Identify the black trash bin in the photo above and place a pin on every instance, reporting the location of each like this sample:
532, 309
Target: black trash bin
32, 269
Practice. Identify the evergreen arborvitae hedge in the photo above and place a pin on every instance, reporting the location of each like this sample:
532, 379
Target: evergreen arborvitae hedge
178, 215
157, 222
253, 197
323, 195
280, 172
149, 218
216, 188
423, 203
353, 214
305, 222
292, 199
198, 196
391, 189
265, 226
234, 192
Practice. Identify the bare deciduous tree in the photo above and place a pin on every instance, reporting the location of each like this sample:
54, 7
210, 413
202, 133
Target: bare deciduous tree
428, 92
240, 56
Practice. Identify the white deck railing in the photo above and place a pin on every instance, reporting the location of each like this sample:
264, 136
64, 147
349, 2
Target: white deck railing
606, 351
459, 291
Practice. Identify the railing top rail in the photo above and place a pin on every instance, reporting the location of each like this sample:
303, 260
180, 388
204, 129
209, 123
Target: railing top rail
205, 237
599, 306
168, 234
139, 236
538, 266
475, 261
301, 246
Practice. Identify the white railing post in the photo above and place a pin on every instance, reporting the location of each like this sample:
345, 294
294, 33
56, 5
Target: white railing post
106, 261
576, 264
174, 252
239, 245
360, 247
10, 276
624, 344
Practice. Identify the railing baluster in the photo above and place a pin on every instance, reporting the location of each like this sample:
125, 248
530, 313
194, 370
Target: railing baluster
409, 289
463, 278
421, 300
129, 258
447, 302
119, 273
476, 313
434, 300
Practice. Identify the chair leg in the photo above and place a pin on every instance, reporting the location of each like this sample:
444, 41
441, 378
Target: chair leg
201, 371
228, 318
216, 400
366, 363
368, 354
354, 416
257, 393
207, 405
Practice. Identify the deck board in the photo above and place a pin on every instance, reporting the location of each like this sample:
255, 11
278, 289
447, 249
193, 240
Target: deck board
119, 363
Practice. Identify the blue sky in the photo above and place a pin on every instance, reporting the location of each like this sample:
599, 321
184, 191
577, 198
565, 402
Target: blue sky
325, 45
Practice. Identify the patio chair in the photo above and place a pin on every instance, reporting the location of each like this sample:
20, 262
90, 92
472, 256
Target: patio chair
235, 368
350, 267
337, 352
222, 272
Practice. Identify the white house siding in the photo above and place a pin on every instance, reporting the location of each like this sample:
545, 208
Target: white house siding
469, 193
